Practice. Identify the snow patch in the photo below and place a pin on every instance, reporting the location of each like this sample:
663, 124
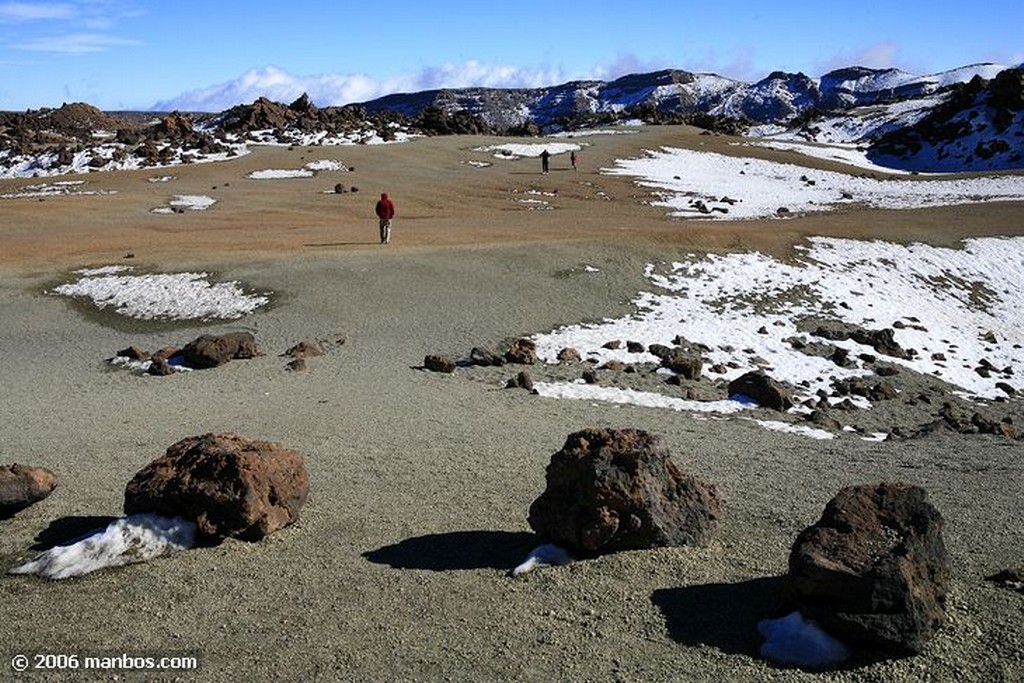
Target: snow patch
162, 296
957, 308
128, 540
733, 188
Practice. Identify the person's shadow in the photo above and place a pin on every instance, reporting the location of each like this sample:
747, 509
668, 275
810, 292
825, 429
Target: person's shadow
457, 550
322, 245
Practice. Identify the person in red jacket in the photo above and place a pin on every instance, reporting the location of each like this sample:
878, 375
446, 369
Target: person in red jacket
385, 212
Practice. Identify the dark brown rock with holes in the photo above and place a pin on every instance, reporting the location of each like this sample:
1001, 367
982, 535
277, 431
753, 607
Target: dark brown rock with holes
436, 363
761, 388
874, 569
159, 367
22, 486
687, 361
569, 355
133, 353
522, 351
481, 356
228, 484
304, 349
520, 381
610, 490
209, 350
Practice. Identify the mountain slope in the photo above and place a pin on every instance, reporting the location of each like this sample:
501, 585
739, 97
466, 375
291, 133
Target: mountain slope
968, 119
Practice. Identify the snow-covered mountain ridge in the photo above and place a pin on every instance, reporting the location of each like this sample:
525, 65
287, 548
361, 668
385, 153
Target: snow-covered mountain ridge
967, 119
774, 99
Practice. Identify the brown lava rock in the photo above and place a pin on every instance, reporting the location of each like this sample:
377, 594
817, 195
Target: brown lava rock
611, 490
22, 486
209, 351
874, 569
229, 485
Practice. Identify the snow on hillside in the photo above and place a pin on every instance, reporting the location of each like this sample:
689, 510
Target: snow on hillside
746, 309
716, 186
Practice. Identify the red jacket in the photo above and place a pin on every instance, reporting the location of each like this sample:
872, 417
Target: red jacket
385, 208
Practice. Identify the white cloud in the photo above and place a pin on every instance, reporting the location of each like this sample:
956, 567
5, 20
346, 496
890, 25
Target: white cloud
278, 85
24, 11
325, 90
75, 44
884, 55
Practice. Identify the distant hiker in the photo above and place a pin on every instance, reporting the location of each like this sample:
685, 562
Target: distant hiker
575, 160
544, 157
385, 212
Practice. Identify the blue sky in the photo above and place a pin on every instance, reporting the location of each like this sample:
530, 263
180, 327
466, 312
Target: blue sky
132, 54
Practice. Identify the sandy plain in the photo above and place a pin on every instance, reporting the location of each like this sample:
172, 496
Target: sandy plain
420, 483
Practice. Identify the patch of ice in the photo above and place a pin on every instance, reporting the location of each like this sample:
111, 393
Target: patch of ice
793, 640
141, 367
547, 555
128, 540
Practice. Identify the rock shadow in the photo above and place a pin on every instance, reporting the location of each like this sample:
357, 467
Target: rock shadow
457, 550
720, 615
725, 616
70, 529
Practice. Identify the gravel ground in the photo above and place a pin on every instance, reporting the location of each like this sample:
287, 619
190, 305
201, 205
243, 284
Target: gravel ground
421, 482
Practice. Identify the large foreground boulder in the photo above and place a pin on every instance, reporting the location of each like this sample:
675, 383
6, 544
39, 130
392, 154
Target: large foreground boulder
611, 490
227, 484
22, 486
209, 350
874, 570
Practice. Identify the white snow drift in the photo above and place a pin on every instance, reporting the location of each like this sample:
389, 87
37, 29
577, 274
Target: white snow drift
162, 296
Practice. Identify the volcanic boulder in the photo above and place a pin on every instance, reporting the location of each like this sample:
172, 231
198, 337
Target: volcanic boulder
522, 351
229, 485
686, 361
482, 356
22, 486
438, 363
874, 569
304, 349
610, 490
763, 389
209, 351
